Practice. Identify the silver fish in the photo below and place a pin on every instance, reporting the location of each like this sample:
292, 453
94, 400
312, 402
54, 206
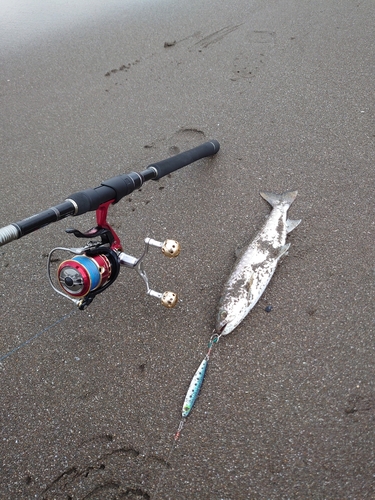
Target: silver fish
256, 266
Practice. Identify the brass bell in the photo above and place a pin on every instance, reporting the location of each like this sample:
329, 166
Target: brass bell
171, 248
169, 299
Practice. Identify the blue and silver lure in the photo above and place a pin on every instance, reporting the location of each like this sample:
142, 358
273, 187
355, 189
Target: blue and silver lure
195, 386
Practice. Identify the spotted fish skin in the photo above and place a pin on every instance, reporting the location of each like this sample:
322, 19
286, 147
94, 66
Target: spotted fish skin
194, 388
254, 269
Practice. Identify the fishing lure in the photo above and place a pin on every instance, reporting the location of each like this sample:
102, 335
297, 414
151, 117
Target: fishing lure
191, 396
195, 386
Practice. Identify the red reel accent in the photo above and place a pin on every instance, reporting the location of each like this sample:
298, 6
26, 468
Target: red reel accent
101, 219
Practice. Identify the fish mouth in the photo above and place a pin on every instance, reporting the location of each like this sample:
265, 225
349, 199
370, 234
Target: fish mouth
222, 328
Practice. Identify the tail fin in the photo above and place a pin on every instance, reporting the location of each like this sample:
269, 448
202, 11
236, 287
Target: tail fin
274, 200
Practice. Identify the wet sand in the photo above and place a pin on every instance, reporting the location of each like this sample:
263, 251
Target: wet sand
89, 407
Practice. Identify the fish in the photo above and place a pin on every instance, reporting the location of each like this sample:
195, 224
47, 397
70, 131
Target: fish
257, 264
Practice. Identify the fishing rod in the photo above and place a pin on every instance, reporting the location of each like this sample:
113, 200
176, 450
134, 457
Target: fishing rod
92, 268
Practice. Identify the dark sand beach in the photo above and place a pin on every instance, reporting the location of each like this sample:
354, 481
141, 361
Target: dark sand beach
90, 404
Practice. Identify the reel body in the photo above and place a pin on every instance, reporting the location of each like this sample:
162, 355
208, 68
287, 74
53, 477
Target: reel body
94, 267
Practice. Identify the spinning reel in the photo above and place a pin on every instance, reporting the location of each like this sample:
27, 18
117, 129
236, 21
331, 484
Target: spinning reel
91, 269
95, 266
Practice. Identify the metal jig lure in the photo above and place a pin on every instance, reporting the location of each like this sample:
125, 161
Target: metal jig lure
195, 385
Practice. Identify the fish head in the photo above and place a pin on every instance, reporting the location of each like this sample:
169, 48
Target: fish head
227, 320
221, 320
229, 317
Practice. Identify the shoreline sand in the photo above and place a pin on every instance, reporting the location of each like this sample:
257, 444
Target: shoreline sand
89, 408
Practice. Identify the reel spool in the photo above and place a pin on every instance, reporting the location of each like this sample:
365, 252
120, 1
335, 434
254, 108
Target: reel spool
89, 272
83, 274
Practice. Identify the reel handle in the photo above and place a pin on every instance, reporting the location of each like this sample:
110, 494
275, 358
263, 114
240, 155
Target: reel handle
168, 299
170, 248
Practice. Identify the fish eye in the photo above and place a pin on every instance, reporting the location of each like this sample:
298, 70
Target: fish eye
223, 315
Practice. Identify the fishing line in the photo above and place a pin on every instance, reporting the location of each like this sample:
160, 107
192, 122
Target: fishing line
66, 316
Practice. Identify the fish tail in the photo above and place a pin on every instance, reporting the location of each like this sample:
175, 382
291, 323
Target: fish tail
274, 199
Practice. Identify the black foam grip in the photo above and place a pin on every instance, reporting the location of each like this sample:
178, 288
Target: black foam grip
169, 165
90, 199
124, 184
